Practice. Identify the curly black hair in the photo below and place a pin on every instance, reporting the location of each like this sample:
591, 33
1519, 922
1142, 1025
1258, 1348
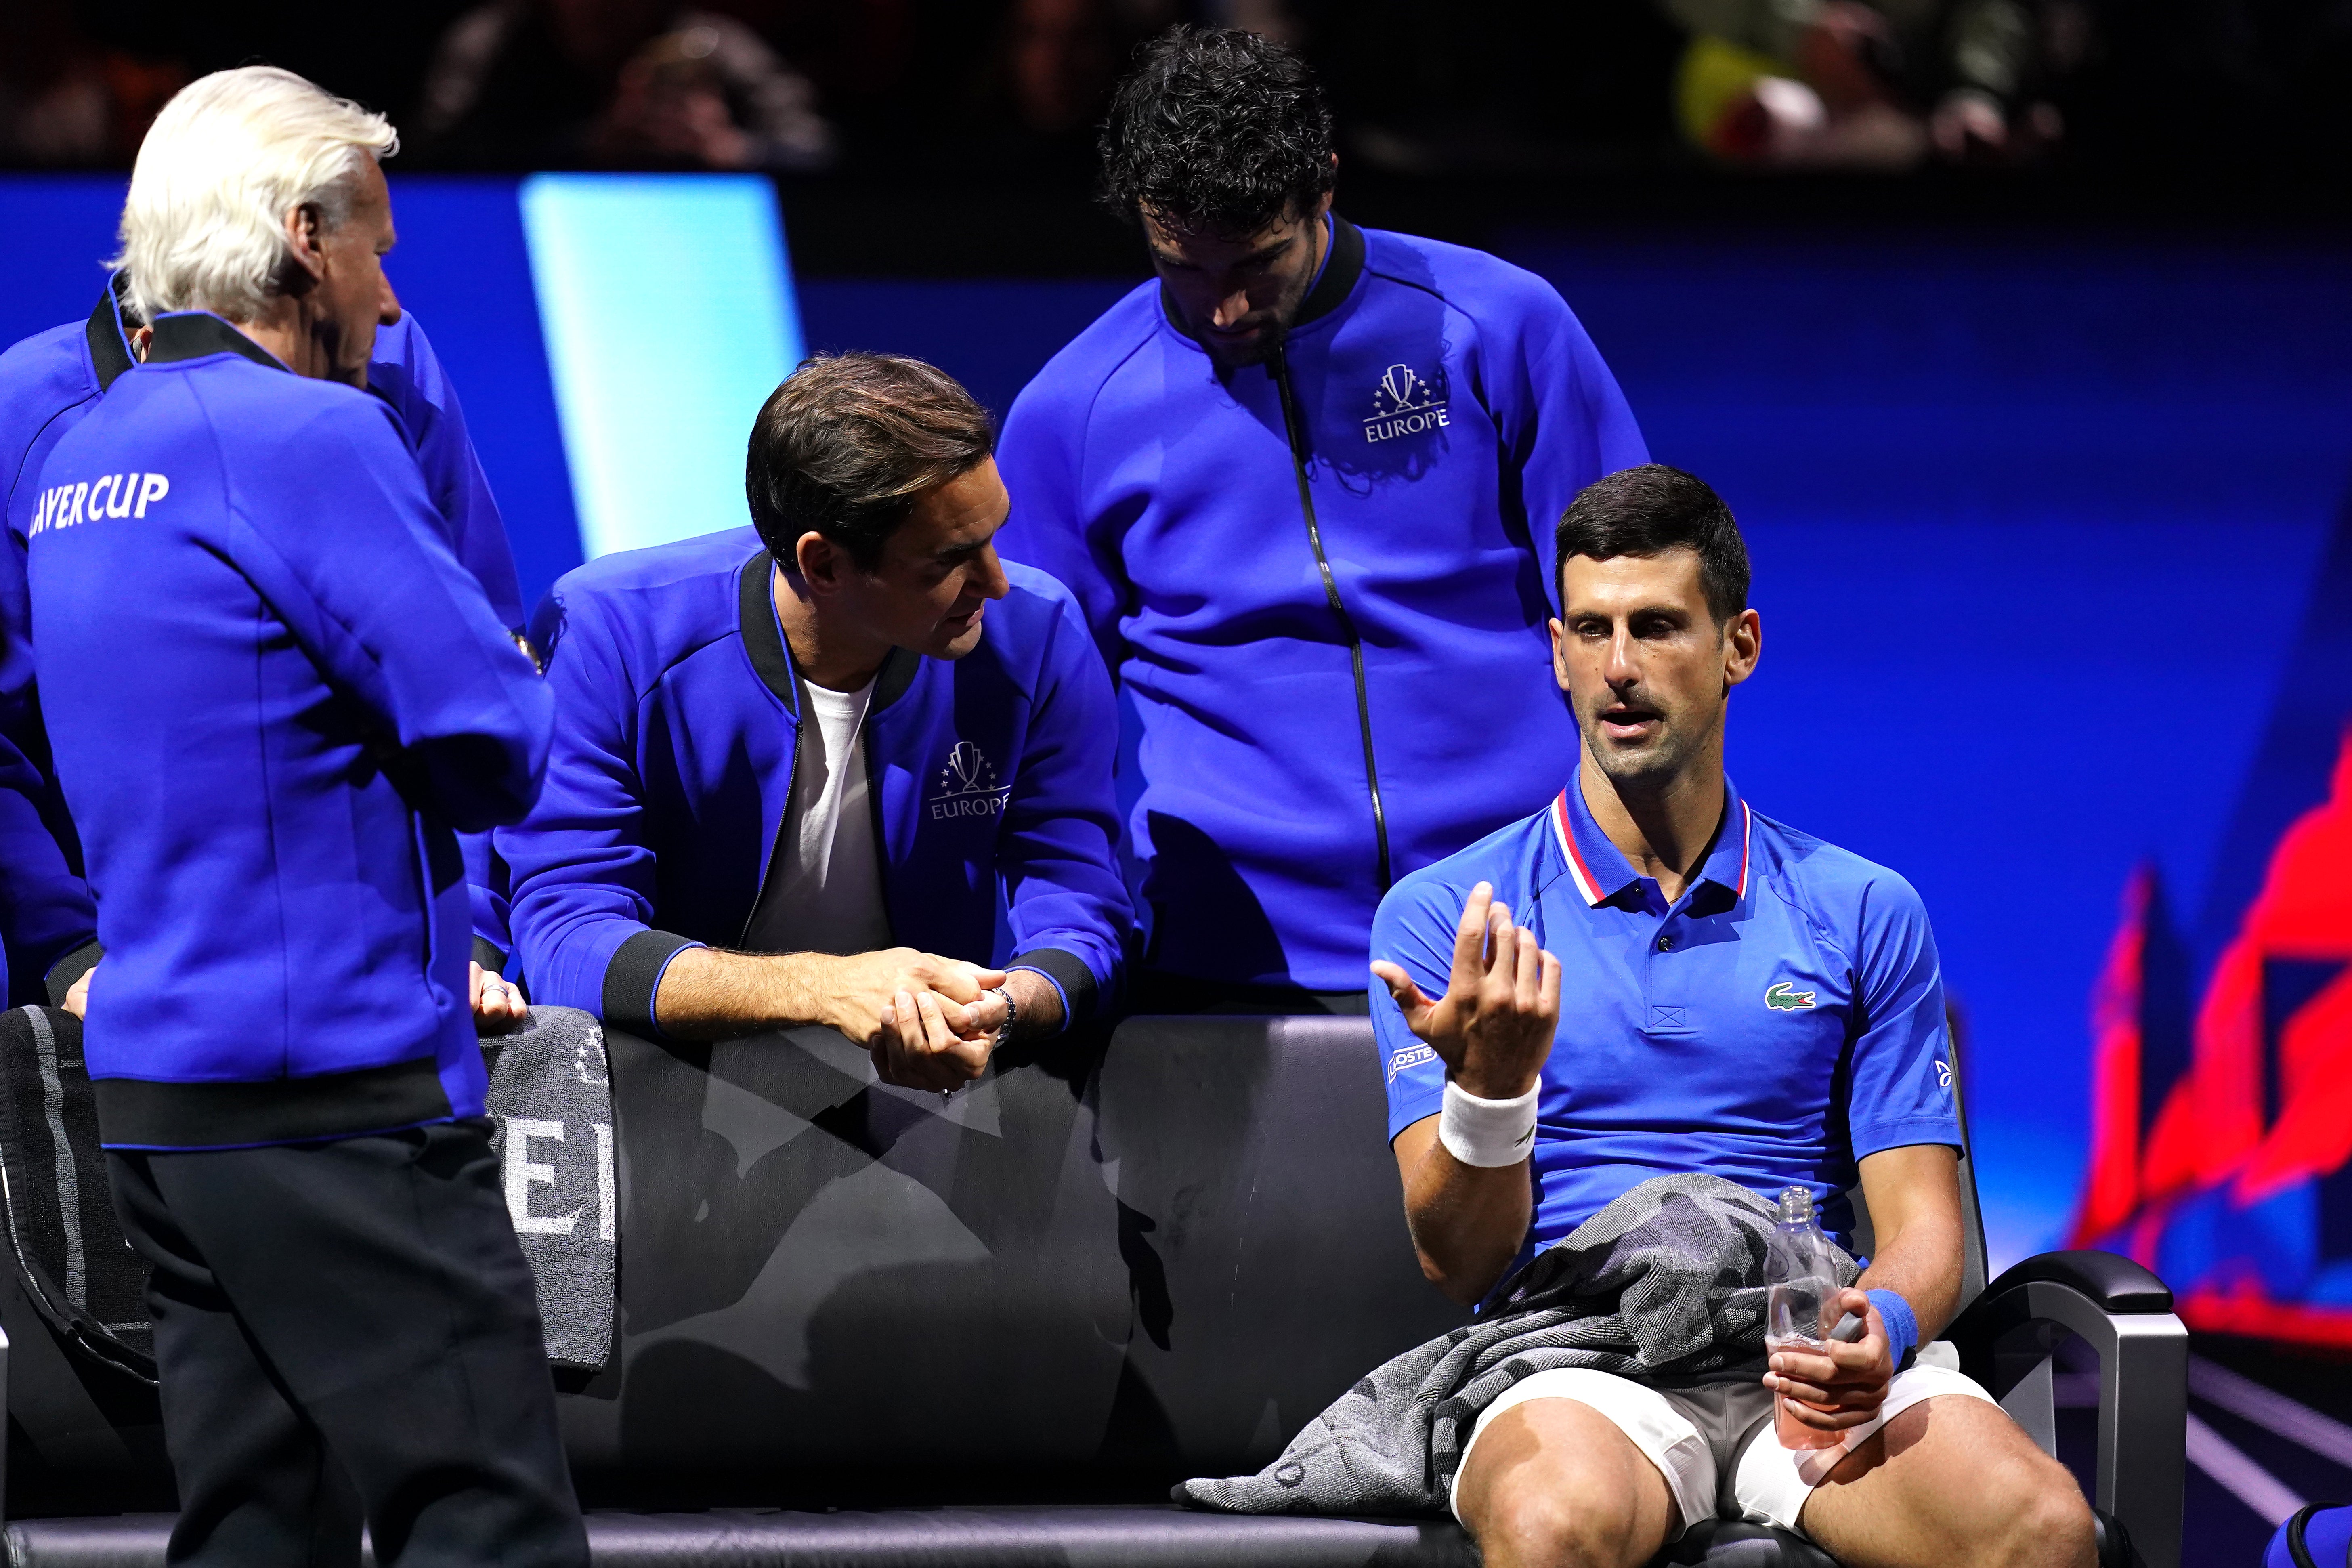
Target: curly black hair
1216, 131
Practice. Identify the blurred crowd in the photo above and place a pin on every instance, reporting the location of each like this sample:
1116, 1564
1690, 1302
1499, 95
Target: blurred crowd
1012, 88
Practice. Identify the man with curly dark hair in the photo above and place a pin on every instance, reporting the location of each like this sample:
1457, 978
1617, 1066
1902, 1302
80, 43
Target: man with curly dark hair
1304, 487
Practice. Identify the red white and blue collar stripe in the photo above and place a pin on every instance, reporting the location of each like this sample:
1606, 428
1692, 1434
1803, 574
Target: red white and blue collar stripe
1567, 817
1566, 832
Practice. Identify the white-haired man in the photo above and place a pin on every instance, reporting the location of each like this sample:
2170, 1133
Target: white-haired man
272, 692
49, 383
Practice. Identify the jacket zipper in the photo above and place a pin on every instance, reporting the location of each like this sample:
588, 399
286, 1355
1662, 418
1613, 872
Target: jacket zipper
1294, 428
873, 809
783, 825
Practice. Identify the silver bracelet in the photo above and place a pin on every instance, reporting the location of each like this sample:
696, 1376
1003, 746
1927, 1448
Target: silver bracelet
1003, 1032
1012, 1017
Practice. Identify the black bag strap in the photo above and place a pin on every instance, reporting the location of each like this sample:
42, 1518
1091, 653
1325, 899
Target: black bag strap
67, 1245
2298, 1549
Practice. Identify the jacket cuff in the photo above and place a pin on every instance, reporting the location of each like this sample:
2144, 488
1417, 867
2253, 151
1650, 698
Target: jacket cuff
1071, 977
633, 975
487, 954
72, 967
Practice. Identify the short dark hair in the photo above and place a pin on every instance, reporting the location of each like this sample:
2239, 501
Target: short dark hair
1216, 131
1649, 511
848, 441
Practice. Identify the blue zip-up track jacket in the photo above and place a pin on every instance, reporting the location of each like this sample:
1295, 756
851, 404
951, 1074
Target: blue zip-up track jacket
272, 692
1324, 581
49, 383
677, 722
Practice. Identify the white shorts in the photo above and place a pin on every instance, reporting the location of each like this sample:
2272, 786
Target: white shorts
1715, 1445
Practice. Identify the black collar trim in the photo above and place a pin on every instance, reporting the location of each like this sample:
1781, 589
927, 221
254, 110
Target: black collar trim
109, 352
897, 674
1345, 265
192, 335
755, 613
1339, 273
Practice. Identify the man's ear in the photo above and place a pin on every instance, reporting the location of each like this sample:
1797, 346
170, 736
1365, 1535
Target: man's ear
821, 563
1743, 646
305, 249
1558, 653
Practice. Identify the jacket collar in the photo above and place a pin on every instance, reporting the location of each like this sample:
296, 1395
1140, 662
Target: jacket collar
771, 656
109, 344
195, 334
1601, 873
1340, 270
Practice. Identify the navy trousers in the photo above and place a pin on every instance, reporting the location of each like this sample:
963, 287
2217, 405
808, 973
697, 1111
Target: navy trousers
353, 1309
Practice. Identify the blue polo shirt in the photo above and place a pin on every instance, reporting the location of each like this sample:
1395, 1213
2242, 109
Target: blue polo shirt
1780, 1021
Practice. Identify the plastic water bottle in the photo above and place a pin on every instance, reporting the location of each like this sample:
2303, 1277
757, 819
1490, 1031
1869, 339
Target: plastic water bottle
1800, 1310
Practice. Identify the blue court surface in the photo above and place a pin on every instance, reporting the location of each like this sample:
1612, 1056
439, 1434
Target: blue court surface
2051, 531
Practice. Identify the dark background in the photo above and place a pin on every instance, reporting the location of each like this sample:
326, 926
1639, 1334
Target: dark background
960, 134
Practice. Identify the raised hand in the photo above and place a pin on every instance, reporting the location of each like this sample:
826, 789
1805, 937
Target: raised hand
1494, 1026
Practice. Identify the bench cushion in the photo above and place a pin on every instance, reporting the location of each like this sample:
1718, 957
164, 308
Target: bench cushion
1086, 1536
1135, 1536
1092, 1275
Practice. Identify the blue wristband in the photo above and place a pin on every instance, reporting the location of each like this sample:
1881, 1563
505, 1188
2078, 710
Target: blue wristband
1902, 1325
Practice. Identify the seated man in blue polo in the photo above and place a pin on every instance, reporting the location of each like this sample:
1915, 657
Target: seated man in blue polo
1647, 976
800, 768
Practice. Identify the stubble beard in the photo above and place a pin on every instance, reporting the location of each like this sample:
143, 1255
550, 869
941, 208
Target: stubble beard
1269, 341
1270, 337
1639, 770
963, 642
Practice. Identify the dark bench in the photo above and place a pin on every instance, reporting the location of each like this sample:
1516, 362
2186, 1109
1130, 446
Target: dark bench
862, 1326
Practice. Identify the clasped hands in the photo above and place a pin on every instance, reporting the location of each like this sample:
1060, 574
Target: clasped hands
927, 1022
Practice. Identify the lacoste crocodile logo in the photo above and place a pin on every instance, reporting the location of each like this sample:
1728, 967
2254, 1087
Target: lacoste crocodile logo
1786, 998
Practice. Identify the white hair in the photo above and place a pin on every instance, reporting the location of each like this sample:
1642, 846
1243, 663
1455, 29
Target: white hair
204, 228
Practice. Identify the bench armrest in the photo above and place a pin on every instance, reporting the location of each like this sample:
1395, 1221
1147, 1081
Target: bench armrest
2115, 1283
2123, 1313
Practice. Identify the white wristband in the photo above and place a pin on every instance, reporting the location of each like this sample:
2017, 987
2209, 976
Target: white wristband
1487, 1134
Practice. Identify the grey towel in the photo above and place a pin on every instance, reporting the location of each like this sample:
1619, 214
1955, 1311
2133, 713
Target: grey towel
1663, 1286
551, 1095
